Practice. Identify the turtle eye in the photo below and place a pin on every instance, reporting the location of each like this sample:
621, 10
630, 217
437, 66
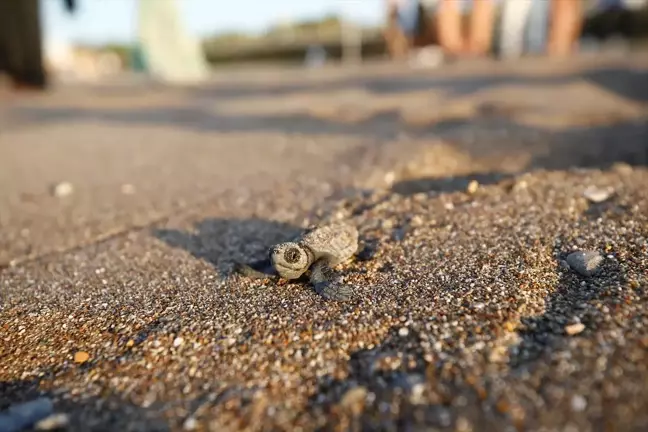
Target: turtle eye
292, 255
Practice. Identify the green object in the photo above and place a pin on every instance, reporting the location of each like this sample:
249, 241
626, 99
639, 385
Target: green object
138, 60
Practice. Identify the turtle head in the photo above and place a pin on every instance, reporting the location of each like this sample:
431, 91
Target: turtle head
290, 259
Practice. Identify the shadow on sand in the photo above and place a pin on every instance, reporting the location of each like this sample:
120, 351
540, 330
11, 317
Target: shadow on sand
571, 296
222, 242
85, 413
631, 84
439, 383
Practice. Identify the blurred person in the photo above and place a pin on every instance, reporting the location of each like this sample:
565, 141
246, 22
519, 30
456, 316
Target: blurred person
566, 21
410, 33
402, 20
524, 27
452, 37
537, 27
407, 16
615, 24
620, 4
395, 37
515, 17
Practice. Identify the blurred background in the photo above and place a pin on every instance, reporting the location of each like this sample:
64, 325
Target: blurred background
185, 40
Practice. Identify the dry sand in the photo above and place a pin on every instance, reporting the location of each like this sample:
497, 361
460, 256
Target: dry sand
467, 185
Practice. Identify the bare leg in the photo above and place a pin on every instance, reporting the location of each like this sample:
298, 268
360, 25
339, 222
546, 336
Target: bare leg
566, 22
327, 283
481, 27
261, 269
395, 37
449, 27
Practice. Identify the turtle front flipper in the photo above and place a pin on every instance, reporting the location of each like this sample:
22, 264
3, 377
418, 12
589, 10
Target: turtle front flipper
327, 283
261, 269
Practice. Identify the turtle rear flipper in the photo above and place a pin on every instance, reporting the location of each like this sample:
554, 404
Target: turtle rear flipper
327, 283
261, 269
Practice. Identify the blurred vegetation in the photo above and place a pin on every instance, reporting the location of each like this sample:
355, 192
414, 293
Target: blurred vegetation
329, 25
124, 52
287, 42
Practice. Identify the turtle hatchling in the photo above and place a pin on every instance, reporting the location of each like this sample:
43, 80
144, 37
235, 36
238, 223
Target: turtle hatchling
318, 250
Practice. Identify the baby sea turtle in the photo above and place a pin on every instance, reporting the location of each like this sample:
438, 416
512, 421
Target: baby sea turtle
318, 250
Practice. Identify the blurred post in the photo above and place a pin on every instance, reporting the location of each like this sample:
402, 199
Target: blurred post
21, 50
351, 36
351, 42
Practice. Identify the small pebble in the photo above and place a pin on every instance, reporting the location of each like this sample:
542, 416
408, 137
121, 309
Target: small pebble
597, 195
55, 421
463, 425
498, 354
190, 423
622, 168
178, 341
389, 178
354, 400
586, 263
63, 189
403, 331
578, 403
520, 185
81, 357
472, 187
510, 326
574, 329
420, 197
417, 394
416, 221
387, 224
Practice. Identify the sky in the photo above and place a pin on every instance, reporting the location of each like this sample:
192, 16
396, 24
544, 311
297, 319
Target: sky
105, 21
